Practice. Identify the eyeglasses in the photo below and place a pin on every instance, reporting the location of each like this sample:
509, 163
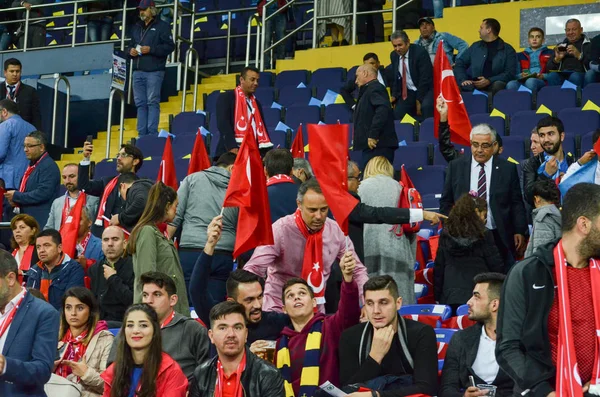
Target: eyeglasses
124, 155
26, 146
484, 146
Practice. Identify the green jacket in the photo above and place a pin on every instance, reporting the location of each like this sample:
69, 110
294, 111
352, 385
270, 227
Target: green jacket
154, 252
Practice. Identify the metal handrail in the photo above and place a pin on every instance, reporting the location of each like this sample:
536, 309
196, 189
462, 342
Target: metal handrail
130, 85
189, 52
57, 79
253, 17
111, 98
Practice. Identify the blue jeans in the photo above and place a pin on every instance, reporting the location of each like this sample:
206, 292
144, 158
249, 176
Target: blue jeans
277, 24
576, 78
100, 29
591, 76
146, 93
4, 38
222, 266
533, 84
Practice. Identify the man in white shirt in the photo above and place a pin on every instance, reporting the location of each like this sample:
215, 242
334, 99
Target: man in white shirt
471, 351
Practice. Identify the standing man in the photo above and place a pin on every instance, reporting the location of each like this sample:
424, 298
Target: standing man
572, 56
62, 206
495, 180
40, 183
281, 188
348, 89
239, 110
374, 131
547, 335
36, 36
369, 27
274, 29
430, 39
412, 79
151, 44
28, 337
23, 95
13, 131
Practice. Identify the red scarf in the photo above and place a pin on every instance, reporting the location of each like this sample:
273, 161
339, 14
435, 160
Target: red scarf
312, 266
29, 171
100, 219
67, 208
280, 178
6, 323
221, 379
83, 244
75, 350
25, 262
568, 382
240, 118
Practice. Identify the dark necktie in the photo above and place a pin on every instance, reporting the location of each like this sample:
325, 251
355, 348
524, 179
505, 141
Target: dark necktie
404, 78
481, 182
11, 91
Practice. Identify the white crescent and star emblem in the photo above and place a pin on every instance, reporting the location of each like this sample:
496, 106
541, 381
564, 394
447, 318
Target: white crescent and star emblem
245, 124
447, 73
319, 288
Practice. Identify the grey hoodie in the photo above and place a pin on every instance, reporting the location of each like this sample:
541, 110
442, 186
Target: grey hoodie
547, 222
201, 197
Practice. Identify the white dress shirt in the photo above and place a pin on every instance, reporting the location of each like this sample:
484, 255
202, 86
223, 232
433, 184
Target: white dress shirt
410, 85
490, 224
380, 78
4, 317
485, 365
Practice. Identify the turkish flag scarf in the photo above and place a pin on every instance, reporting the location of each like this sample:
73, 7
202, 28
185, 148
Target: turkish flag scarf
568, 381
69, 230
245, 118
312, 266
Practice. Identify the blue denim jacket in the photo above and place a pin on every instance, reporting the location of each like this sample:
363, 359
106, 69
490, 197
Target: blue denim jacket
451, 43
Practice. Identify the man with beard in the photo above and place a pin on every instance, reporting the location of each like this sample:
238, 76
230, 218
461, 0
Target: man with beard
62, 206
553, 163
471, 351
548, 335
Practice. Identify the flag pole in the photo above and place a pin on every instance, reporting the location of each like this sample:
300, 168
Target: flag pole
347, 238
222, 209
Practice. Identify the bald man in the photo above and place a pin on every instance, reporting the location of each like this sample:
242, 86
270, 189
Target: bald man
374, 132
112, 279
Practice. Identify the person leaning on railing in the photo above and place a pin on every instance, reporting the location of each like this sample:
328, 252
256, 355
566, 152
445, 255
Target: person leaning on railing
36, 32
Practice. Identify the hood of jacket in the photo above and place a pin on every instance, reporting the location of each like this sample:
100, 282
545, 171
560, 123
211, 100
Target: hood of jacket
291, 332
458, 245
143, 182
547, 210
218, 176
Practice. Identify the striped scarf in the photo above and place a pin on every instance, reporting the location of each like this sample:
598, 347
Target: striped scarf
309, 380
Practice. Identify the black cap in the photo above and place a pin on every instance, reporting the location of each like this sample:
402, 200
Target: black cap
426, 19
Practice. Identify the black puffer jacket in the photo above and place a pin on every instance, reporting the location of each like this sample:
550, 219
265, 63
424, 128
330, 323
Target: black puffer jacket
458, 260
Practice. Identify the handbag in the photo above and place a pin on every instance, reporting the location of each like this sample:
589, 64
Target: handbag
58, 386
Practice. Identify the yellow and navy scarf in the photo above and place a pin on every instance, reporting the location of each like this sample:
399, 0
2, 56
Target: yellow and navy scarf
309, 380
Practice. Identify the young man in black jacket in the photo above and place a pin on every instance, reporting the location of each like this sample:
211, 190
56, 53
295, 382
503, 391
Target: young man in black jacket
134, 191
547, 335
390, 355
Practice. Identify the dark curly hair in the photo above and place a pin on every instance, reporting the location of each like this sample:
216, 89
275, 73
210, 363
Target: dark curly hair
463, 221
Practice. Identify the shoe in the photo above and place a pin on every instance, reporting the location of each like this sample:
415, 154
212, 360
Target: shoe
345, 42
335, 44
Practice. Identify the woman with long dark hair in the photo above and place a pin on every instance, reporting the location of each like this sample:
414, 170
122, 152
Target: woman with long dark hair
84, 342
152, 251
466, 249
141, 369
24, 229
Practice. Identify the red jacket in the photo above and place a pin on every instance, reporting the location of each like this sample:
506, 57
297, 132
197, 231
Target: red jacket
171, 381
545, 55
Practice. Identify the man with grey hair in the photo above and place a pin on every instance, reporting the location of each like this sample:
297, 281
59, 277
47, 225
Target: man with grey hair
301, 171
412, 82
573, 54
88, 246
495, 180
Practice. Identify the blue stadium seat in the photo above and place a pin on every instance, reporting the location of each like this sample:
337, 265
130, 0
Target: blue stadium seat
151, 145
336, 112
356, 156
521, 123
322, 89
514, 146
427, 179
426, 131
210, 101
569, 145
278, 138
586, 142
266, 78
591, 92
496, 122
302, 114
578, 121
556, 98
475, 104
420, 290
183, 145
150, 168
187, 123
435, 310
415, 154
114, 331
430, 202
404, 131
462, 310
443, 335
291, 78
510, 102
265, 95
438, 159
292, 96
272, 118
327, 77
106, 167
351, 75
181, 168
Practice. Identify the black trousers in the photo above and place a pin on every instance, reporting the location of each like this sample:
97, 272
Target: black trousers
409, 106
36, 37
508, 254
491, 89
369, 28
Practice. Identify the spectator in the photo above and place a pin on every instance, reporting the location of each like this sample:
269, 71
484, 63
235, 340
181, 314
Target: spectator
112, 278
301, 171
430, 39
373, 119
466, 248
13, 131
6, 29
83, 342
239, 109
24, 230
572, 56
546, 215
281, 188
471, 351
550, 306
194, 216
535, 147
89, 247
592, 75
294, 255
408, 14
36, 36
412, 95
532, 63
235, 370
391, 355
587, 157
340, 28
347, 91
23, 95
482, 172
274, 29
314, 338
100, 26
129, 159
40, 183
63, 205
369, 28
30, 334
134, 192
55, 273
151, 43
492, 61
387, 252
152, 250
141, 364
553, 163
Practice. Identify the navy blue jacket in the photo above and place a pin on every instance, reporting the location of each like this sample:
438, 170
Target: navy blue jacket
40, 191
504, 63
157, 35
70, 274
29, 349
420, 69
282, 199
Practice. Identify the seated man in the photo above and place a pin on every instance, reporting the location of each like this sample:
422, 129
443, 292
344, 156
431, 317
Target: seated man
572, 57
389, 350
430, 39
532, 62
235, 371
471, 350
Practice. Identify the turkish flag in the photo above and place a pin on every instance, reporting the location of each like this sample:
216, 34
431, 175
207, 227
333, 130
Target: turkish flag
597, 147
70, 228
298, 145
248, 190
329, 161
445, 84
199, 160
166, 171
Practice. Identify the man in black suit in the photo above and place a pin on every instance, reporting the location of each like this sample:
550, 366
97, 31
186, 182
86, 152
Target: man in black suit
495, 180
348, 90
25, 96
412, 95
374, 131
471, 351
